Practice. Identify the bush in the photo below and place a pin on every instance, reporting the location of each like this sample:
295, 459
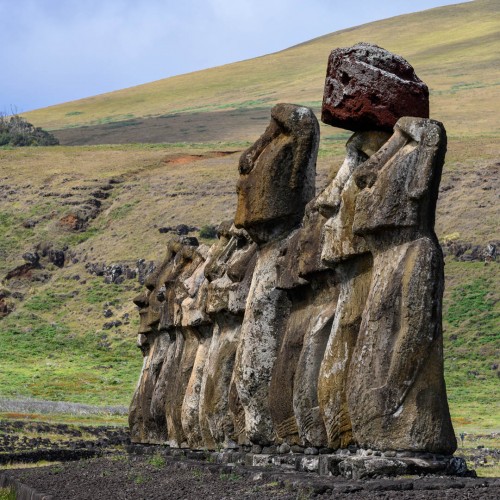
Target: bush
209, 232
16, 131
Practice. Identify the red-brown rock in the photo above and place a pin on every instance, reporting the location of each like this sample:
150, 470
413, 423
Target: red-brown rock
369, 88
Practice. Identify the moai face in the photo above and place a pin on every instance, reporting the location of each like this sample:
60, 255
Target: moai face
400, 182
277, 174
184, 264
338, 201
150, 301
227, 267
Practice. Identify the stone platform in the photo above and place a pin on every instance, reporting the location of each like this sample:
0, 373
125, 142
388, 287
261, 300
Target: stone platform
349, 464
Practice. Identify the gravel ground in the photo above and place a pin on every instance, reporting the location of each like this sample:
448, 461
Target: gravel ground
158, 473
122, 476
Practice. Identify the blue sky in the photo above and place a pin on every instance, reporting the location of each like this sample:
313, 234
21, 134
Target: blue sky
55, 51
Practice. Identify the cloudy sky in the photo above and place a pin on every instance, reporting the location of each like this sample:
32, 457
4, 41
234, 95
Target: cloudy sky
55, 51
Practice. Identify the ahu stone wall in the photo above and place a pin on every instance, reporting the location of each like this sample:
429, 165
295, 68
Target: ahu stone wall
312, 321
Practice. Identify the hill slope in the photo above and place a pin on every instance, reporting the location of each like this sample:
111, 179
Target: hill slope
454, 49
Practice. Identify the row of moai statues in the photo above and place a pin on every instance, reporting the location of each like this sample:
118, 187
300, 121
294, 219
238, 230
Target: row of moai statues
313, 320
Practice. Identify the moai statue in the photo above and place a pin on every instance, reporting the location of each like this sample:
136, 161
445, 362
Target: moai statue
348, 255
146, 426
229, 270
366, 90
395, 390
170, 389
312, 294
277, 176
198, 325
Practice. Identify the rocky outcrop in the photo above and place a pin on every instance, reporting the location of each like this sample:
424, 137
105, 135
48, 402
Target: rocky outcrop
312, 323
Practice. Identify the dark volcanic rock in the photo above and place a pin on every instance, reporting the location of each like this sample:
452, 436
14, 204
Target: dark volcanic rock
368, 88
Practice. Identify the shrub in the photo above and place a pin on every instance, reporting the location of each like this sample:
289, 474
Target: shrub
209, 232
16, 131
157, 461
7, 494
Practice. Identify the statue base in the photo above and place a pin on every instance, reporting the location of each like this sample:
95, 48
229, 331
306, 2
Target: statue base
348, 464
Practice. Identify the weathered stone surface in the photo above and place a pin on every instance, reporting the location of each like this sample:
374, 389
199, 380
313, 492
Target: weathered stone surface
238, 252
277, 174
364, 468
186, 341
261, 333
145, 425
276, 181
348, 255
196, 322
396, 391
369, 88
293, 389
311, 325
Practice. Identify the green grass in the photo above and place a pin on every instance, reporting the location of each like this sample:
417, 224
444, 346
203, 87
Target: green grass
157, 461
469, 302
99, 292
46, 360
472, 344
231, 476
72, 239
123, 210
45, 301
7, 494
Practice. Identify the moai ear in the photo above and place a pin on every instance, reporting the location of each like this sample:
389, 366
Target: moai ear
431, 145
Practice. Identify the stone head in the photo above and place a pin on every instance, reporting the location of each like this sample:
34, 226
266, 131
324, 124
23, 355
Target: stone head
338, 200
151, 301
277, 174
229, 264
400, 183
184, 264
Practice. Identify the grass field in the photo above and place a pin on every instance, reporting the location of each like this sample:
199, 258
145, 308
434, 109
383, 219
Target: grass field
58, 349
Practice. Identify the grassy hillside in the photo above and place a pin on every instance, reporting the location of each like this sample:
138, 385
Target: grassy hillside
58, 346
59, 342
454, 49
